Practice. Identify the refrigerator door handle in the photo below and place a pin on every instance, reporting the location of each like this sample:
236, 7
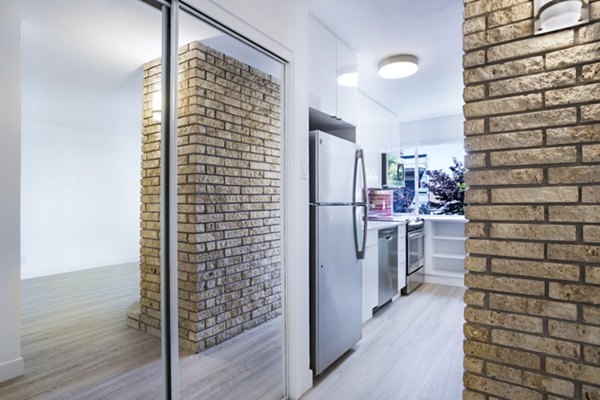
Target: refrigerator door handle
362, 180
366, 206
360, 242
360, 251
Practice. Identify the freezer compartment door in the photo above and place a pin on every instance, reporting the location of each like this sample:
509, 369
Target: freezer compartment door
337, 319
333, 163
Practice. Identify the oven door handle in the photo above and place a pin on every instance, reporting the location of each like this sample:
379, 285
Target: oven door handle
416, 235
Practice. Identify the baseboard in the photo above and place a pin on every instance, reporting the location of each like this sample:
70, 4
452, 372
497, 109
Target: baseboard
445, 280
11, 369
29, 274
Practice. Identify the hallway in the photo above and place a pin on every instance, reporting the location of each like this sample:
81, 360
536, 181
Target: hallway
411, 350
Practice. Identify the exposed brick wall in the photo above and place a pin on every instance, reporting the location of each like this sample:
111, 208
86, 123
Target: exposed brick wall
229, 212
532, 135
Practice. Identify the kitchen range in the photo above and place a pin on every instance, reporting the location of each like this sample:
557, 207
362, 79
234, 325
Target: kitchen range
415, 245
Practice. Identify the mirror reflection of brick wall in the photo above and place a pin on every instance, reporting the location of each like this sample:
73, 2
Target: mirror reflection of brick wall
229, 209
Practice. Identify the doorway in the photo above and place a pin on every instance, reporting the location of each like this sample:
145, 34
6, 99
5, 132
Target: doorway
84, 123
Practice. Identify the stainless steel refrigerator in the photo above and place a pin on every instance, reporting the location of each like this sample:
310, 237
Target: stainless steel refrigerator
338, 227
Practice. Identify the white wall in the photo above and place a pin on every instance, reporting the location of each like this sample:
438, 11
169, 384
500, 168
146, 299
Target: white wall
81, 133
284, 30
440, 156
80, 197
11, 363
431, 131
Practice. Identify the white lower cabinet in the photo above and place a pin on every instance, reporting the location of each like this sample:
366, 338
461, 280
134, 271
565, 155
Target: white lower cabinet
370, 274
445, 251
401, 256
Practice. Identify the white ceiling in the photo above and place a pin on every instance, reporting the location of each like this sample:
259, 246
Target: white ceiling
82, 60
428, 29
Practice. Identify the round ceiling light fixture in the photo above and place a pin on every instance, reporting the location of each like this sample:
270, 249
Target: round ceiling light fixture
348, 79
399, 66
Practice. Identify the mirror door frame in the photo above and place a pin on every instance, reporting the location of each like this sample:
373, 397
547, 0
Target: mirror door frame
169, 310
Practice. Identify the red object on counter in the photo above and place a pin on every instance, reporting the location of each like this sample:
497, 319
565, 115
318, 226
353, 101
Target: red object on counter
381, 202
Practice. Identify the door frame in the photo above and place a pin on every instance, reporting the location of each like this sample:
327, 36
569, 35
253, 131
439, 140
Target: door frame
297, 375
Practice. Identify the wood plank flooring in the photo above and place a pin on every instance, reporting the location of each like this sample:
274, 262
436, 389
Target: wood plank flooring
76, 345
411, 350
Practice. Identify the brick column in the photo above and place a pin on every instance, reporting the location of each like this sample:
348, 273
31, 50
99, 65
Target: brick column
532, 135
229, 189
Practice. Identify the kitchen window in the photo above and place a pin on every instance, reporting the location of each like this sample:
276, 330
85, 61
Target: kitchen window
423, 167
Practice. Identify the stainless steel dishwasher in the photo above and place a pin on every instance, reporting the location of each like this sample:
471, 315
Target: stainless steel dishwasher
388, 265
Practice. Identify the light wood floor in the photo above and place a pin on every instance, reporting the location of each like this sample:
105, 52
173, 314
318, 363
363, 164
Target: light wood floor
76, 345
411, 350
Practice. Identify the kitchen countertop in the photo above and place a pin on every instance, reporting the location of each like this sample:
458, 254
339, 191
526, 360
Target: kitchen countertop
378, 225
401, 219
443, 217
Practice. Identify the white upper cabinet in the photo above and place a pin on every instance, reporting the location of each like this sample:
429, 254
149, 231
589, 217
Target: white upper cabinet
378, 132
347, 97
323, 61
328, 57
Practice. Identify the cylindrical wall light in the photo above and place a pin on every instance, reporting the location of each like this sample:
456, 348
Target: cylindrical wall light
553, 15
157, 106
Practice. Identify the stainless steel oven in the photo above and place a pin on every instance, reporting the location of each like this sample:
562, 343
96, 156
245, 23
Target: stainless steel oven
415, 255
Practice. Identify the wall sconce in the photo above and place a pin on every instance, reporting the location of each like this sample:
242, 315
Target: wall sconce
553, 15
157, 106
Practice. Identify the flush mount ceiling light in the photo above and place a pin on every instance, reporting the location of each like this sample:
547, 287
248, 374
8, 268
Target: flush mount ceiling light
348, 79
552, 15
399, 66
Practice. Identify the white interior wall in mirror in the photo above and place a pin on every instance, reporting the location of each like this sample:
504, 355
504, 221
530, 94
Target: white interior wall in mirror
81, 132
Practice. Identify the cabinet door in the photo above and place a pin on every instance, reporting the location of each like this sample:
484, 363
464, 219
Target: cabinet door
323, 60
370, 280
394, 126
347, 97
375, 136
